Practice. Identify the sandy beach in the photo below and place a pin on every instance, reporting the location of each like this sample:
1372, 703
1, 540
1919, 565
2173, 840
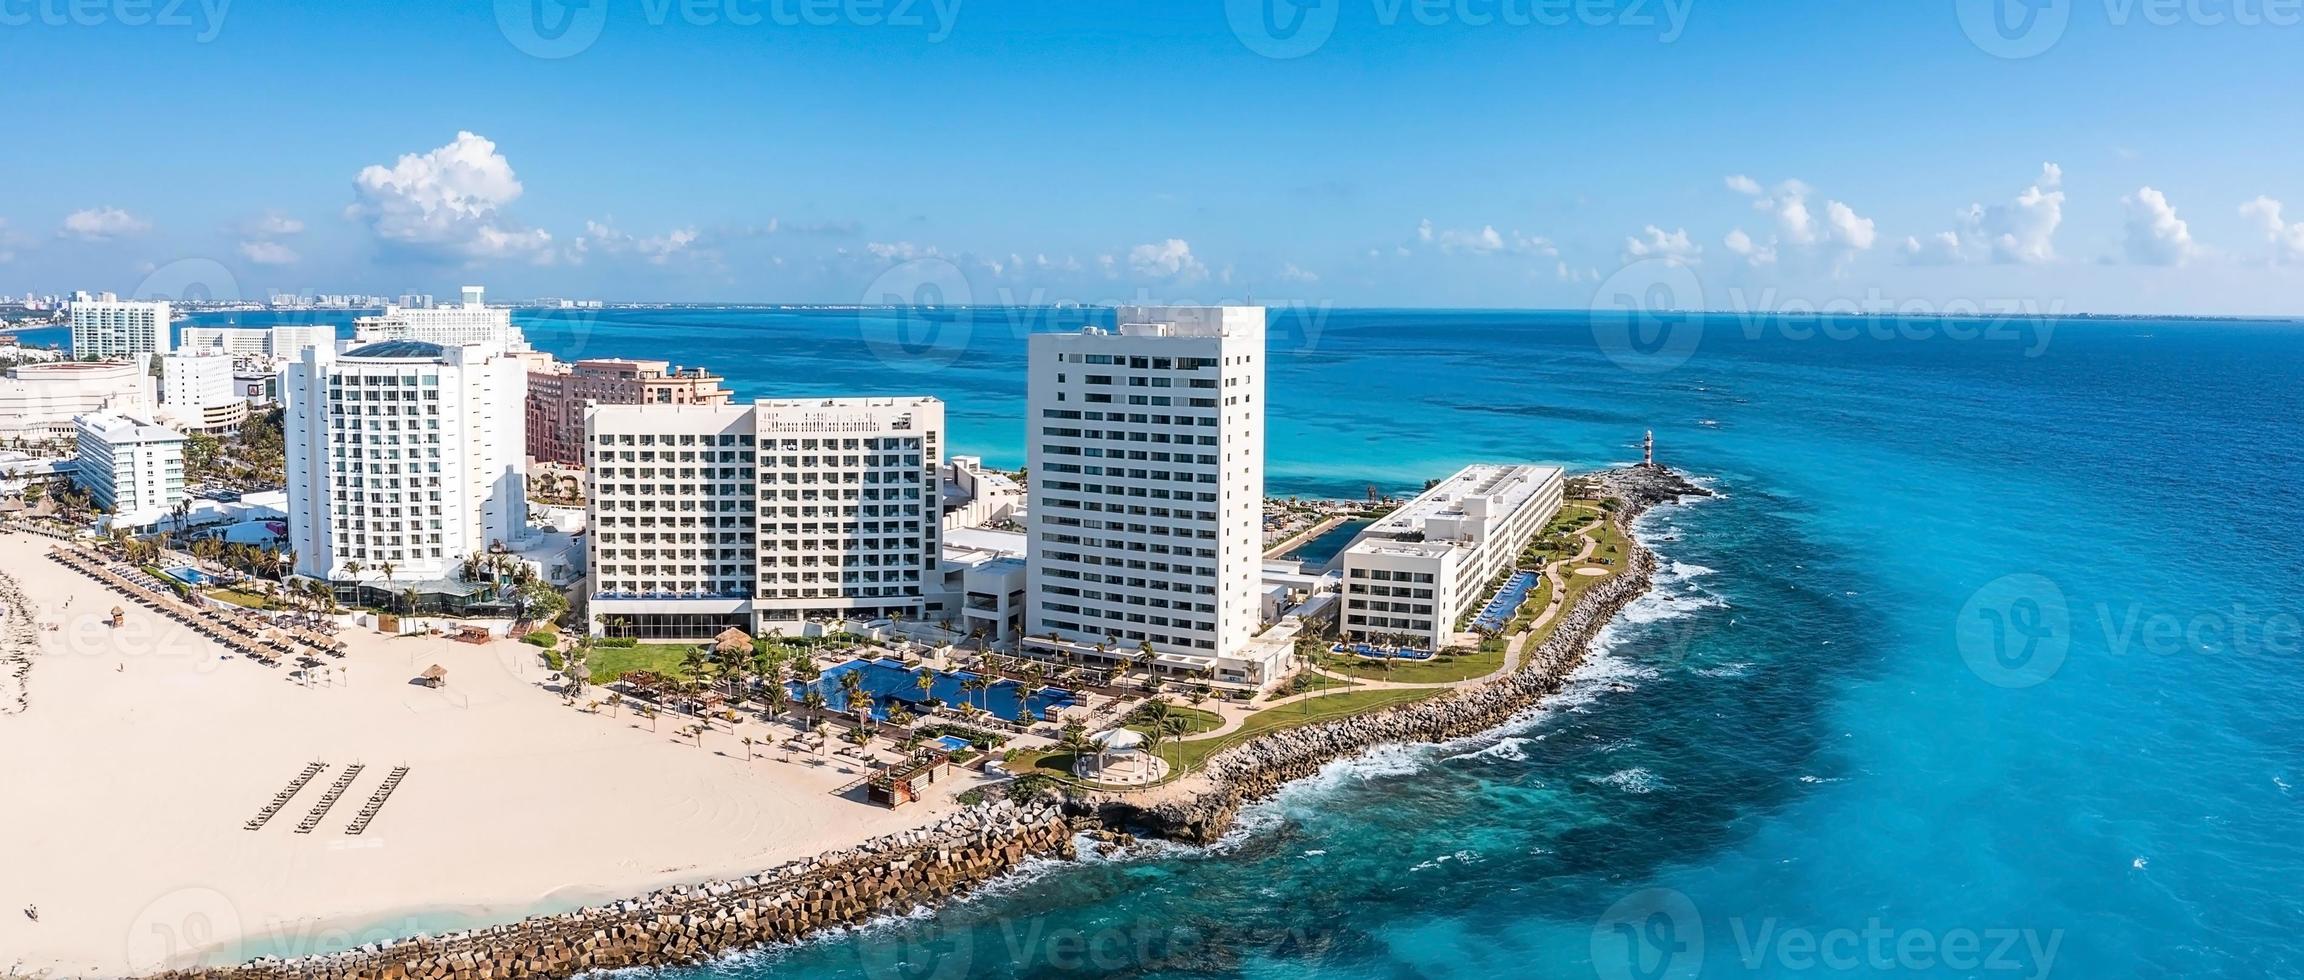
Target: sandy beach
145, 747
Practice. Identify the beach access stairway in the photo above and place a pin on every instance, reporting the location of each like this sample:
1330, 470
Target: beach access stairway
280, 799
328, 799
376, 800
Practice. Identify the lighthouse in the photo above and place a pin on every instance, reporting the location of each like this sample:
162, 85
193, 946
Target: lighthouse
1648, 450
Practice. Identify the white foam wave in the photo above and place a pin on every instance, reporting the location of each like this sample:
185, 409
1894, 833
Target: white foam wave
1509, 749
1735, 669
1634, 780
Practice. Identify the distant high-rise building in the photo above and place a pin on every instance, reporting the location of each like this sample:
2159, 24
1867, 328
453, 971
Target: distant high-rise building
106, 327
403, 453
558, 392
1146, 450
762, 516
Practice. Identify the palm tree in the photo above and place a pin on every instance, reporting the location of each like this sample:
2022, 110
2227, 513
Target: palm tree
1175, 727
648, 711
577, 670
924, 680
815, 701
747, 748
615, 704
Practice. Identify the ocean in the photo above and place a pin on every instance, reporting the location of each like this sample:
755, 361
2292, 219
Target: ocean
1983, 664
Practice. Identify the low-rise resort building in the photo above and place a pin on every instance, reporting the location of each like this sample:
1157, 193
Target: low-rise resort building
1417, 577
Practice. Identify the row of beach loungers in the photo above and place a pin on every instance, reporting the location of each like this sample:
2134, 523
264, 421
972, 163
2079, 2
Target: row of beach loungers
327, 801
376, 800
280, 799
250, 633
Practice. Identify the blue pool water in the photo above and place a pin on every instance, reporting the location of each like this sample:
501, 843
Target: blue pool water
188, 575
1809, 729
886, 681
1323, 549
1507, 600
951, 743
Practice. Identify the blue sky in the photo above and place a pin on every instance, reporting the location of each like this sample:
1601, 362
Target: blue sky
2124, 155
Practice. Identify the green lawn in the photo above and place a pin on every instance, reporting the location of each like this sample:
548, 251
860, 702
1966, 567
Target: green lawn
1308, 711
248, 600
609, 663
1195, 720
1442, 669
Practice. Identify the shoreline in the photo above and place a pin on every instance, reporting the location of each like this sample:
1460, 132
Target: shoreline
692, 924
680, 924
1200, 808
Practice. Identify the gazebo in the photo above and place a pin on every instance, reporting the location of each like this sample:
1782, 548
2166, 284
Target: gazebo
433, 676
1120, 759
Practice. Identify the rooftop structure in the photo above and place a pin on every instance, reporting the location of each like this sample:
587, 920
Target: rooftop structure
558, 392
39, 401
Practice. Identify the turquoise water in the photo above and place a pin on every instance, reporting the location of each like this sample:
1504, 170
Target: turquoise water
1811, 738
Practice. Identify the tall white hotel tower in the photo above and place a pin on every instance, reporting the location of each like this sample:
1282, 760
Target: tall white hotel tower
402, 452
1147, 471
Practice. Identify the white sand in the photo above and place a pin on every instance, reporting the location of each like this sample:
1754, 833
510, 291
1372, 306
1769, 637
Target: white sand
124, 787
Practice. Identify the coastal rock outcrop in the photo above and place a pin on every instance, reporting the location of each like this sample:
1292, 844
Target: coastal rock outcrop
694, 923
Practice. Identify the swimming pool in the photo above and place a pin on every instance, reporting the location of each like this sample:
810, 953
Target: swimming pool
188, 575
886, 682
953, 743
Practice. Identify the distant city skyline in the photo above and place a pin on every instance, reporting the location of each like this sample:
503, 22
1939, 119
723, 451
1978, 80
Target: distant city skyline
1472, 154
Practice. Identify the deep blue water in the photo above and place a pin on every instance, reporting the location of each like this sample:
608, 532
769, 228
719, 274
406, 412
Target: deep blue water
1321, 550
1986, 664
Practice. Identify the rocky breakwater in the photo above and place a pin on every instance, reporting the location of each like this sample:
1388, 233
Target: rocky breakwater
1200, 808
689, 924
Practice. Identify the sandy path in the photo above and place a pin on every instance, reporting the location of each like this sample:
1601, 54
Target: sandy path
146, 747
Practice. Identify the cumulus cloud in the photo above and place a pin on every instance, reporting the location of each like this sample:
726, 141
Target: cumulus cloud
2154, 235
102, 224
447, 203
1171, 259
1842, 233
900, 251
268, 253
1655, 243
2020, 232
271, 225
2285, 237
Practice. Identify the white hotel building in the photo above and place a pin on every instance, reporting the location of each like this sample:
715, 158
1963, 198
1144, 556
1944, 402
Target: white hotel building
472, 322
403, 452
1425, 567
39, 401
131, 466
1147, 490
105, 326
284, 341
196, 388
763, 516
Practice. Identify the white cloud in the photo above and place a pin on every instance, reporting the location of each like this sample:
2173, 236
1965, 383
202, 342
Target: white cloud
268, 253
1171, 259
103, 224
447, 203
271, 225
901, 251
1291, 272
1672, 247
1843, 231
2285, 237
2021, 232
1941, 248
657, 249
1742, 244
1484, 241
2154, 235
